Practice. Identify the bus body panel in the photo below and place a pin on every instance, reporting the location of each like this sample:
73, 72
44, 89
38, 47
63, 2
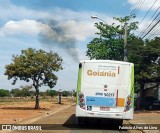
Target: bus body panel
105, 89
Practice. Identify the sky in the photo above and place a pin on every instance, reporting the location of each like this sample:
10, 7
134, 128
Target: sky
63, 26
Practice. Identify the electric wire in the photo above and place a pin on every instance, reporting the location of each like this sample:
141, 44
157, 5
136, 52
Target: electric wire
148, 28
151, 29
136, 10
149, 24
155, 33
147, 12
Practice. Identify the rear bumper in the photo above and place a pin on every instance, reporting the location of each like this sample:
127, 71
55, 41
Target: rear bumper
111, 115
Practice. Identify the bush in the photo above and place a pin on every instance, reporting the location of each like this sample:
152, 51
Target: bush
4, 93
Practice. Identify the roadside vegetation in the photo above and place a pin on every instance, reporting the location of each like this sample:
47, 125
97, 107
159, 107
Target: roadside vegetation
25, 92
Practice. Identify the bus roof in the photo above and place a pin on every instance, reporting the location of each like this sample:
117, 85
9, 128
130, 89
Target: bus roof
106, 61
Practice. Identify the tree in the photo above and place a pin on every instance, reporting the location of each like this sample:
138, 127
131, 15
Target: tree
110, 44
49, 93
37, 66
4, 93
146, 59
52, 93
65, 93
16, 92
25, 90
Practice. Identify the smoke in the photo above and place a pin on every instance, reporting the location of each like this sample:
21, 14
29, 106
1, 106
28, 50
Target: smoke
60, 35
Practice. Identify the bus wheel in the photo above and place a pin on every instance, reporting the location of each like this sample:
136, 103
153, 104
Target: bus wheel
118, 122
150, 107
80, 120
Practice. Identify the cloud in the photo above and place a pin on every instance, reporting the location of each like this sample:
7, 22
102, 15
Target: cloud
63, 34
10, 11
30, 27
22, 20
57, 27
146, 5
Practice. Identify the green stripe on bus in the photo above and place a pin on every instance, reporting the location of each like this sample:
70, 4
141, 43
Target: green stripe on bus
79, 83
132, 86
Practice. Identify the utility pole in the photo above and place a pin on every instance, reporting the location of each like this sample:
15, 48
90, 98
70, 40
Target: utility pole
125, 42
125, 37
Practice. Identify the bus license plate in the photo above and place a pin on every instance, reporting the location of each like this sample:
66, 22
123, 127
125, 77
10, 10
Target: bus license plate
104, 108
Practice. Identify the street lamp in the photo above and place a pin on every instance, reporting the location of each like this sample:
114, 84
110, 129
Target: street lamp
96, 17
125, 36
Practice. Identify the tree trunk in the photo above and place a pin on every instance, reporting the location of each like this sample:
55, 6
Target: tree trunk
37, 98
141, 95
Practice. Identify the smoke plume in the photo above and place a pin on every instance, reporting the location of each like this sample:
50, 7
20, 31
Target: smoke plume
59, 35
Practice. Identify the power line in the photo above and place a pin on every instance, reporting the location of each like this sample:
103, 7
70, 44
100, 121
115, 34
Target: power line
137, 8
149, 22
137, 4
152, 22
155, 32
145, 32
142, 2
151, 29
148, 12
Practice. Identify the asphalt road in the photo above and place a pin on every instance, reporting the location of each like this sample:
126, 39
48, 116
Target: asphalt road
64, 121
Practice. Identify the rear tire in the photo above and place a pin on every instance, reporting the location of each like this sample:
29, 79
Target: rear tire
81, 120
150, 107
118, 122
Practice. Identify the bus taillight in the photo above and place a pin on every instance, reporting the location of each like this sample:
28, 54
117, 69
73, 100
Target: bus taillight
81, 100
128, 103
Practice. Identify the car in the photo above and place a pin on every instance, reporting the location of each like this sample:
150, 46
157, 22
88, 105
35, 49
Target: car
150, 103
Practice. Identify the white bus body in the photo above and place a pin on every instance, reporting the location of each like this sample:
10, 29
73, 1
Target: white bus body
105, 89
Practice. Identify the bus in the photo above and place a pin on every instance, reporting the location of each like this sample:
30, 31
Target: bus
105, 89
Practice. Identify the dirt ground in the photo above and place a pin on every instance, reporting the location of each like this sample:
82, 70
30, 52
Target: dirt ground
15, 112
146, 117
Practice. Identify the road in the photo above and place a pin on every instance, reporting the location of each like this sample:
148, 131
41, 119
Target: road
64, 121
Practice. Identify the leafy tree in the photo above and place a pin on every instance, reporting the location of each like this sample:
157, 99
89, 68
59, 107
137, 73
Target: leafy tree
37, 66
52, 93
16, 92
25, 90
65, 93
110, 44
49, 93
4, 93
146, 59
43, 94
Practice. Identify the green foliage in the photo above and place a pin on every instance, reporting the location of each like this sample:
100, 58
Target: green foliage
49, 93
4, 93
146, 59
43, 94
65, 93
110, 44
16, 92
26, 90
37, 66
52, 93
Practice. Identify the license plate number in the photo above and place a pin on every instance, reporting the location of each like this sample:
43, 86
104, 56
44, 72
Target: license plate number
104, 108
